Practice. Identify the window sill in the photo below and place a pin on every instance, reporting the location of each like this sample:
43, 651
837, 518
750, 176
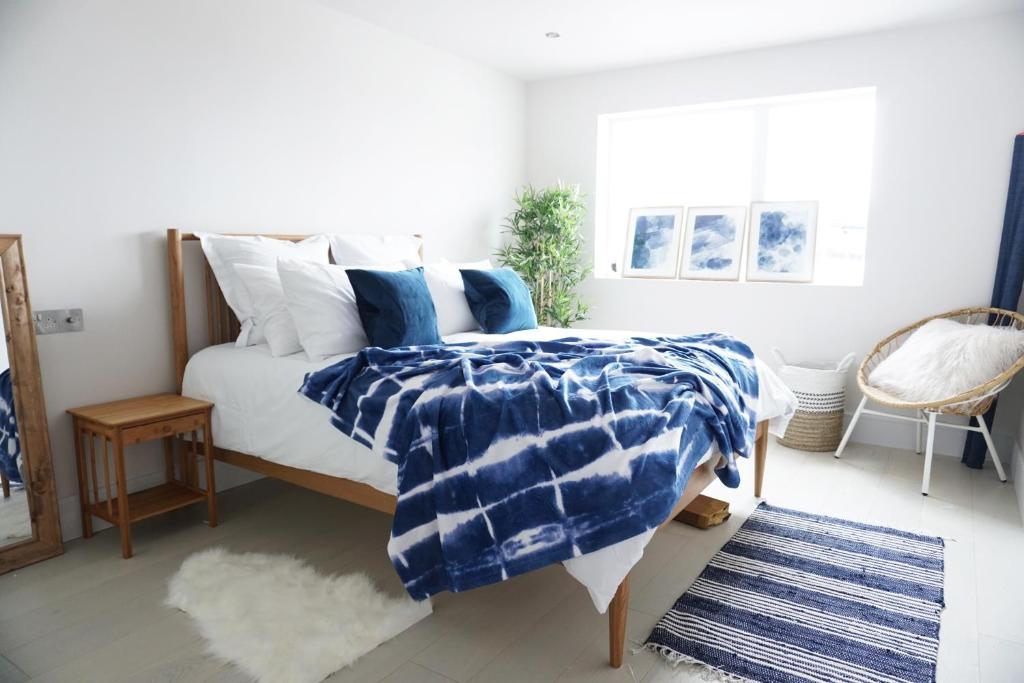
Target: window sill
845, 283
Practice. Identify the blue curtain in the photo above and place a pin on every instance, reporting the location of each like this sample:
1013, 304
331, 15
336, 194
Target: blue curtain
1009, 278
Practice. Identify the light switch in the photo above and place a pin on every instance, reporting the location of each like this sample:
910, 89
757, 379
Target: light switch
59, 320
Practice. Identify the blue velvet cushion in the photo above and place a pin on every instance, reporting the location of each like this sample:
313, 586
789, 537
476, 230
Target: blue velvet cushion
395, 307
500, 300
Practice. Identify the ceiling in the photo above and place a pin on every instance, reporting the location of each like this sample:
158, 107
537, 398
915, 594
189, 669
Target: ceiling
508, 35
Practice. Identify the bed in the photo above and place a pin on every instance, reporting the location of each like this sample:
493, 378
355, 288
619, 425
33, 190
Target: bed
262, 424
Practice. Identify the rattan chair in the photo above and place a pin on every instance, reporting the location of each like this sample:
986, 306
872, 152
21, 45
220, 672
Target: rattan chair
971, 403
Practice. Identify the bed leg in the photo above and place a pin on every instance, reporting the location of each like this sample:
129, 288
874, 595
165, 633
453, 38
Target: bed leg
617, 612
760, 452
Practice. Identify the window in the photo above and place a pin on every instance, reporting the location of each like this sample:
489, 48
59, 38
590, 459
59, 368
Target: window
809, 147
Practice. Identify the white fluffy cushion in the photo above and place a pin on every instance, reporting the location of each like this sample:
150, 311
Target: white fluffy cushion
944, 358
369, 251
449, 294
270, 309
224, 252
323, 306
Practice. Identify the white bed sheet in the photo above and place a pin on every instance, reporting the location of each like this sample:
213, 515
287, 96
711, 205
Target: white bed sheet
259, 411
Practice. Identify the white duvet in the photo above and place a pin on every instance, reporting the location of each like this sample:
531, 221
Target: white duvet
260, 412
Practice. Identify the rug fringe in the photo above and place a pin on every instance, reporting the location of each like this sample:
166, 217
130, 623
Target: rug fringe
708, 672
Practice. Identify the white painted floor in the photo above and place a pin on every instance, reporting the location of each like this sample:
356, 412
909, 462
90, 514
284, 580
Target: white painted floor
91, 616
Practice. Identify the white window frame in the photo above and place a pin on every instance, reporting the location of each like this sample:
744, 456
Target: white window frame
608, 251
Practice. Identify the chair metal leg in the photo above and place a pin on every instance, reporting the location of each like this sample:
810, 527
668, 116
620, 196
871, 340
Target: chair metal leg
849, 430
929, 450
919, 433
991, 448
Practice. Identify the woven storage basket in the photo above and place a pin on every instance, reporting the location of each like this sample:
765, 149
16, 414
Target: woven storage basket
820, 390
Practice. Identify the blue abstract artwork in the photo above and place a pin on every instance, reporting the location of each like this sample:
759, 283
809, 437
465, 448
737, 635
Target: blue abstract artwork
714, 237
652, 241
654, 245
714, 243
785, 241
781, 242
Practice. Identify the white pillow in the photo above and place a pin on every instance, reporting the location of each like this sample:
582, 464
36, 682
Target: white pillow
223, 252
270, 309
323, 306
449, 294
944, 358
363, 251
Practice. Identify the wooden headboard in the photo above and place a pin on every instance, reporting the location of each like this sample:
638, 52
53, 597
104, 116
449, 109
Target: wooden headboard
221, 324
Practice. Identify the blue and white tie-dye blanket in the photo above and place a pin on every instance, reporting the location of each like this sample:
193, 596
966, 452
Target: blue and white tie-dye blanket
517, 455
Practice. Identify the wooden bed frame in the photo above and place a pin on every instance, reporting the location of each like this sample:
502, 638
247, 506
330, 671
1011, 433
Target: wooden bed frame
222, 326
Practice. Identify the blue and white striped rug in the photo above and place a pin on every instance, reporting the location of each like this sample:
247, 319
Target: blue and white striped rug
800, 597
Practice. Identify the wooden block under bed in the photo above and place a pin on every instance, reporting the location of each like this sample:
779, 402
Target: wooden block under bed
704, 512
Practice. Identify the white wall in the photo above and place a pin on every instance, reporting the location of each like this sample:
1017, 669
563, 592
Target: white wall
1011, 411
1017, 469
950, 99
120, 118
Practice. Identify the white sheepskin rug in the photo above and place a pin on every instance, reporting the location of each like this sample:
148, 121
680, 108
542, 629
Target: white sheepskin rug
281, 621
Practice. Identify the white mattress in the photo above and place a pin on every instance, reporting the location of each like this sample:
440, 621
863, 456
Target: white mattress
259, 411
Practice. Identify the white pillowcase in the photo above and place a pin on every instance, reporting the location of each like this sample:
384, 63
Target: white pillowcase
223, 252
323, 306
944, 358
270, 309
368, 251
449, 294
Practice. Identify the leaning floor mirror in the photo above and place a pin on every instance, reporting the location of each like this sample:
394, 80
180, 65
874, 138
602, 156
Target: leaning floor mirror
29, 521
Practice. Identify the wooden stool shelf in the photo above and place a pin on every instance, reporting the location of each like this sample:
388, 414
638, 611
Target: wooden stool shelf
150, 503
122, 423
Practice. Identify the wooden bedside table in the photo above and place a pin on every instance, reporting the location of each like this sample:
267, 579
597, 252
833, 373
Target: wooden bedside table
132, 421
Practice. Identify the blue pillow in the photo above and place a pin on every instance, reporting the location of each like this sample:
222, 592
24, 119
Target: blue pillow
500, 300
395, 307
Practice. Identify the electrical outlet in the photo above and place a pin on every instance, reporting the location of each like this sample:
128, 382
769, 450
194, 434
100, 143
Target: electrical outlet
58, 321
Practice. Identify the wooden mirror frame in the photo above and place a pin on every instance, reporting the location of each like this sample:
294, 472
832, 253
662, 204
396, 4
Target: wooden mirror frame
30, 409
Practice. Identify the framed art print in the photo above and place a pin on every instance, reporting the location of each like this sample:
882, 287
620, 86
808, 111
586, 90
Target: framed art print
782, 241
713, 246
652, 242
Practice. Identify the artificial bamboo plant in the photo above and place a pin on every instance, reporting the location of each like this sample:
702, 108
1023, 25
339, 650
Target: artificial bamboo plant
546, 249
